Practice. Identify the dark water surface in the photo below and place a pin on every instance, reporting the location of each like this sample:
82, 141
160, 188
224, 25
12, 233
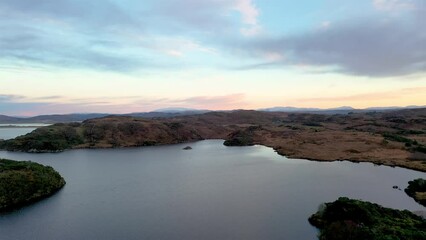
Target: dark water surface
210, 192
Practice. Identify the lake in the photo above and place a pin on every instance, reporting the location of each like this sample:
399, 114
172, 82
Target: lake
9, 132
209, 192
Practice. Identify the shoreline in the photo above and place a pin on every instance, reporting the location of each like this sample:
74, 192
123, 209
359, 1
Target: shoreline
275, 149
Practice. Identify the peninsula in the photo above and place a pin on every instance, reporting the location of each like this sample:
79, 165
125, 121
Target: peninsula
417, 190
354, 219
22, 183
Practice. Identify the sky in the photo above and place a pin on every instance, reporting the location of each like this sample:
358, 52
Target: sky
122, 56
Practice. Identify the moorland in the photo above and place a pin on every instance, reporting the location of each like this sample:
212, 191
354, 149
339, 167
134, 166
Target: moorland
393, 138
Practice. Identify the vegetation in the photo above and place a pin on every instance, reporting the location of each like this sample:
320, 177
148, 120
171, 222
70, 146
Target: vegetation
312, 124
52, 138
398, 138
350, 219
22, 183
411, 145
243, 137
417, 190
421, 149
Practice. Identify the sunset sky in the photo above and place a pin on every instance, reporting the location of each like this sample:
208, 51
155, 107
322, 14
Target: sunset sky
121, 56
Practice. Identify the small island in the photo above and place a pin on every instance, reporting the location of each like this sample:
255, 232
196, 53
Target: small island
417, 190
22, 183
354, 219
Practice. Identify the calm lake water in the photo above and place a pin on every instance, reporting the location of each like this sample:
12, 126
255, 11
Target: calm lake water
210, 192
13, 132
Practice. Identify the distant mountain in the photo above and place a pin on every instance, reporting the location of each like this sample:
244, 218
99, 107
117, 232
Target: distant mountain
337, 110
164, 114
79, 117
51, 118
7, 119
394, 108
176, 110
342, 108
288, 109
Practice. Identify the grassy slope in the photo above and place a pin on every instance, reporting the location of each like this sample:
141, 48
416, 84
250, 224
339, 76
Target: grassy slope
353, 219
22, 183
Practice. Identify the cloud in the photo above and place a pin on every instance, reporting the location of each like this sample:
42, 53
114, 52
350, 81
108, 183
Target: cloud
221, 102
206, 15
372, 96
109, 35
49, 98
367, 47
248, 10
214, 102
51, 47
112, 35
177, 46
96, 14
209, 16
250, 14
325, 25
10, 97
394, 5
27, 106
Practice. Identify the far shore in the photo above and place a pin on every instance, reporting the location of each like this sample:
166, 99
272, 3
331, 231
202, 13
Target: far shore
396, 138
23, 125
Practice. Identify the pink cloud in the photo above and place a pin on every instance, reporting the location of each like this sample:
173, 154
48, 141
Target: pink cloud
385, 95
216, 102
394, 5
250, 14
31, 107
